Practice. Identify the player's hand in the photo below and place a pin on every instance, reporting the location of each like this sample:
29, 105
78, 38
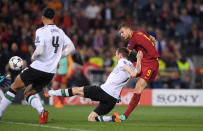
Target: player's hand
139, 55
4, 81
133, 75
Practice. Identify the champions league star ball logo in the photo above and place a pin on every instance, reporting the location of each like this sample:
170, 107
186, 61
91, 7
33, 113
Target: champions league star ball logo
16, 63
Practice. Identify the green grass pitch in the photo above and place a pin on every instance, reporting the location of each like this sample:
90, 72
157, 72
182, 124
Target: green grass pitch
74, 118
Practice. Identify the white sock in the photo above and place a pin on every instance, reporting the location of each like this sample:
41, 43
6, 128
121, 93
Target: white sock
60, 92
105, 118
35, 102
6, 101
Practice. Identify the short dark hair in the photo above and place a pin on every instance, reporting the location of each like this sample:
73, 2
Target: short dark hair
48, 13
125, 25
124, 51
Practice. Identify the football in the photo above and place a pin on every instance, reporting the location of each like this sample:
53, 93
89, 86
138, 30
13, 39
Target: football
16, 63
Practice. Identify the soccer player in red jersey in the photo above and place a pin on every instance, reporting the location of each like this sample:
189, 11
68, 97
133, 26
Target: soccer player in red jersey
140, 41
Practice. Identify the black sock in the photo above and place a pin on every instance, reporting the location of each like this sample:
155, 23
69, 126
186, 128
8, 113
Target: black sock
97, 119
113, 118
27, 98
12, 91
70, 92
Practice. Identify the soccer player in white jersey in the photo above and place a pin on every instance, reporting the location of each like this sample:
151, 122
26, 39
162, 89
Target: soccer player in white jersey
49, 41
108, 93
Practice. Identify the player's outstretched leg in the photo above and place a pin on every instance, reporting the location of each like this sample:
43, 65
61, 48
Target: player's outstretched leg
7, 99
141, 84
59, 92
93, 117
9, 96
55, 86
133, 103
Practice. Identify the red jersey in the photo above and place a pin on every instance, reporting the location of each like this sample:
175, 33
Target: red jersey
141, 41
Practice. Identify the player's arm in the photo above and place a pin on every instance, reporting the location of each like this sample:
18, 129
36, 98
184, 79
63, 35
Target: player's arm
139, 59
130, 71
38, 51
39, 43
68, 47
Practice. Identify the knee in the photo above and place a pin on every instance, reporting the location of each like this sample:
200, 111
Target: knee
140, 86
17, 84
92, 116
91, 119
14, 87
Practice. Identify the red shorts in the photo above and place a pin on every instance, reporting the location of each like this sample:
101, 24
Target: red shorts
60, 79
149, 70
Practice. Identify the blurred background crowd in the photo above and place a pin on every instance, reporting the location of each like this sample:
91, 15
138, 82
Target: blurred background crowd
92, 26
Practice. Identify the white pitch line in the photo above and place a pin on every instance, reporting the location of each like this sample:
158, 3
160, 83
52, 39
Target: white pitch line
36, 125
45, 126
75, 129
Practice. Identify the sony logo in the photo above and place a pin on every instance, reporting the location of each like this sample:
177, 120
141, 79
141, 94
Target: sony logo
176, 98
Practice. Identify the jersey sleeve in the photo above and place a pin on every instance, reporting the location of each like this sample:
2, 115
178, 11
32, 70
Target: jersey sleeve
39, 39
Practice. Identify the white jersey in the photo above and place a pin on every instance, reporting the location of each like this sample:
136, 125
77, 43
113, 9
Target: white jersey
53, 40
118, 78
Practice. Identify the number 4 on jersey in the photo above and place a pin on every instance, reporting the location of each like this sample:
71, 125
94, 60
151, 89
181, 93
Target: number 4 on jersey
55, 43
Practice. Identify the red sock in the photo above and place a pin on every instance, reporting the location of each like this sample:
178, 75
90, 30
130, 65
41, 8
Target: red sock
133, 103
